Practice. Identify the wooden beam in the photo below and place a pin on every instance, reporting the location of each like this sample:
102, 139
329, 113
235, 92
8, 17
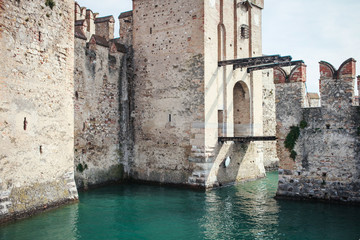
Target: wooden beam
247, 139
280, 64
246, 62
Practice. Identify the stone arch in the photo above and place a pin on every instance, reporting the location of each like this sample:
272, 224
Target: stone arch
280, 75
242, 112
298, 74
347, 68
327, 70
221, 42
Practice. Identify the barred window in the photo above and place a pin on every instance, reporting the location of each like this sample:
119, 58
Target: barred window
244, 31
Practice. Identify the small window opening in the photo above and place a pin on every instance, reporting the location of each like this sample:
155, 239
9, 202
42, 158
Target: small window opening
150, 30
25, 124
76, 95
244, 31
327, 126
169, 117
39, 36
40, 148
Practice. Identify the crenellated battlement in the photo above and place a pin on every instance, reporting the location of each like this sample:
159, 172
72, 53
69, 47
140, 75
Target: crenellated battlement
336, 86
94, 29
297, 74
126, 27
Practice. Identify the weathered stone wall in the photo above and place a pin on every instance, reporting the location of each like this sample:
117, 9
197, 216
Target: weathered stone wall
326, 161
101, 108
271, 160
36, 114
288, 109
126, 28
169, 91
180, 91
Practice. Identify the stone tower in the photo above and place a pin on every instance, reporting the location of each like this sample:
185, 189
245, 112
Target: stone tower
37, 113
186, 96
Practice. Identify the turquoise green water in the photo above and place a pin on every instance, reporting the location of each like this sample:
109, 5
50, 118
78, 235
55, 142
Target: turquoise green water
245, 211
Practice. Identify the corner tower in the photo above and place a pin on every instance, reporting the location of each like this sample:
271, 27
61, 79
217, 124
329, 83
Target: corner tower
184, 98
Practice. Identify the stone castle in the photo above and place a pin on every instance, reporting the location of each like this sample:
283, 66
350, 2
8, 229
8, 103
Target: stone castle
184, 96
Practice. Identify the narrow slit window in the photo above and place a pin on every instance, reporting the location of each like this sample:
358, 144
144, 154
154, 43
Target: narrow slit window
25, 124
169, 117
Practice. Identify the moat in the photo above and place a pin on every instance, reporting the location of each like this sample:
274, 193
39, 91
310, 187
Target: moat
244, 211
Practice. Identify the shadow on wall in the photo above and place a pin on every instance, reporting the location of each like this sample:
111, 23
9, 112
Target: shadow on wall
244, 164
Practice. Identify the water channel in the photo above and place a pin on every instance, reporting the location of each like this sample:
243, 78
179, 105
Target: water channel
244, 211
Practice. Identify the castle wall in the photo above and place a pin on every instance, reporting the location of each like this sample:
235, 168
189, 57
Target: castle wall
271, 160
126, 28
169, 97
326, 153
97, 113
36, 114
102, 129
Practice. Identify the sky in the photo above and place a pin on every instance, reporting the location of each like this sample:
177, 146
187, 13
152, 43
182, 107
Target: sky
308, 30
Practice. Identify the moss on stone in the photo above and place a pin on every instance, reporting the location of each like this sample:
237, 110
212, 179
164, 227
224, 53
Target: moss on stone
81, 168
303, 124
50, 3
292, 137
293, 154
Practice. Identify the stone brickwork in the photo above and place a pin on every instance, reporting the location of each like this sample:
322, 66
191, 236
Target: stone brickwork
180, 93
271, 160
36, 114
126, 28
169, 91
325, 161
102, 136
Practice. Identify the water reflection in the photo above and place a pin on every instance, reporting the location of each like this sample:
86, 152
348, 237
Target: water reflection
245, 211
59, 224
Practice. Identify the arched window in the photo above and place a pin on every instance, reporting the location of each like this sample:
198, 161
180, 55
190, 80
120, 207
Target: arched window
241, 101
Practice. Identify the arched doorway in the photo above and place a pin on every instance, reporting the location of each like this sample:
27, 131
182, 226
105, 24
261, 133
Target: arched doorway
241, 101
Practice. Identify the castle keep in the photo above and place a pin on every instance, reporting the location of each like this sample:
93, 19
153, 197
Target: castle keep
184, 96
184, 100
